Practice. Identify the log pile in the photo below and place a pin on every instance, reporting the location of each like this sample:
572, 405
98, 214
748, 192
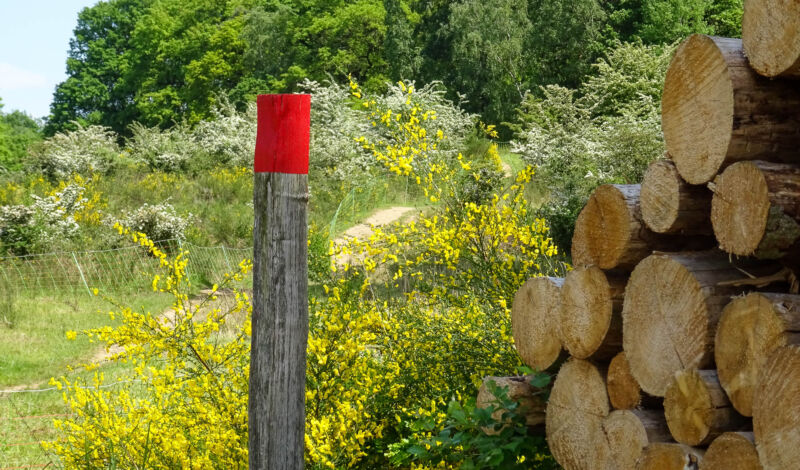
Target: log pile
680, 322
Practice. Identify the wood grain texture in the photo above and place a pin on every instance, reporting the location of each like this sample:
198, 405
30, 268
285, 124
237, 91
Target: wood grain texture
673, 302
771, 37
776, 410
716, 110
750, 330
534, 321
671, 205
590, 314
280, 322
698, 410
732, 451
755, 210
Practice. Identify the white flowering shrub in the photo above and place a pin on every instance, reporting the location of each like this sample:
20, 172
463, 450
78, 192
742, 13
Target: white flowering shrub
84, 150
230, 138
607, 131
335, 125
158, 221
165, 150
46, 223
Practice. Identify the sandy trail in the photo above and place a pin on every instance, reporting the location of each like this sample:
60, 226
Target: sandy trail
379, 218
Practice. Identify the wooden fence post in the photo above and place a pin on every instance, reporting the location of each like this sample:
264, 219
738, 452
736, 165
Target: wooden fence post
280, 284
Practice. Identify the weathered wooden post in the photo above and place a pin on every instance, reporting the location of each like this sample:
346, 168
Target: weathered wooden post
280, 284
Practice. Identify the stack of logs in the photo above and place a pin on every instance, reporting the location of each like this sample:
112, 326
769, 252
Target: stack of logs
680, 317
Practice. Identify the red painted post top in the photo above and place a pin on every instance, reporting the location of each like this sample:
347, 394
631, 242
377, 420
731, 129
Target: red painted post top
284, 131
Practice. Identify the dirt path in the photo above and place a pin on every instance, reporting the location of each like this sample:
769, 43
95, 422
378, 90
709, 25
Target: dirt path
382, 217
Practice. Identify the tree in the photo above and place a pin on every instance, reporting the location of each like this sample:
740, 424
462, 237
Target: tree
488, 52
97, 89
402, 53
671, 20
17, 132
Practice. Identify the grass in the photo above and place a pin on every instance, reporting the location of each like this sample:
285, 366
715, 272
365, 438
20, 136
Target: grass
34, 348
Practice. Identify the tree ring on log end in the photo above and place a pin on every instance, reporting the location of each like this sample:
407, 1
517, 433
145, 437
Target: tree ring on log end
688, 408
626, 436
665, 322
534, 321
661, 456
574, 419
731, 451
697, 109
748, 332
740, 208
602, 230
624, 392
586, 310
776, 410
660, 197
771, 37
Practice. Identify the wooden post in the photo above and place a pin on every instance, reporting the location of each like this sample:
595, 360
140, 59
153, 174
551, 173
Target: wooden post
280, 284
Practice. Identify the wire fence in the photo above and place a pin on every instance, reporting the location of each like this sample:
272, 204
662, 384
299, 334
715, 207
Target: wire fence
126, 268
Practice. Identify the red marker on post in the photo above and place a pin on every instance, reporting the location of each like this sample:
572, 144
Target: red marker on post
280, 284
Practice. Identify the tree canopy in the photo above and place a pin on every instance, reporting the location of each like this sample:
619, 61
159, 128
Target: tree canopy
160, 62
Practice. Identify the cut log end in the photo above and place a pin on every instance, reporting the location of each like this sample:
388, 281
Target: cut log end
534, 321
590, 300
531, 403
748, 332
604, 227
624, 392
626, 437
575, 412
776, 410
663, 456
670, 205
665, 331
698, 89
739, 208
771, 37
697, 409
731, 451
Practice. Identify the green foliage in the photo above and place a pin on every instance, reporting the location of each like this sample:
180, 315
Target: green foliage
463, 440
18, 131
83, 150
607, 131
161, 62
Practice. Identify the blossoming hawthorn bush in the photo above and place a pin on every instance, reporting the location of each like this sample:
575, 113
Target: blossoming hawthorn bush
50, 221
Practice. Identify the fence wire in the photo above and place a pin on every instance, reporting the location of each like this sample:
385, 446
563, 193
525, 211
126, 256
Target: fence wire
126, 268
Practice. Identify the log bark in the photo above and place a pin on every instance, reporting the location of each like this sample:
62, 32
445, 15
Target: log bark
629, 432
732, 451
756, 209
531, 400
663, 456
534, 321
697, 409
672, 305
716, 110
671, 205
624, 391
575, 412
750, 330
776, 410
771, 37
610, 233
590, 315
